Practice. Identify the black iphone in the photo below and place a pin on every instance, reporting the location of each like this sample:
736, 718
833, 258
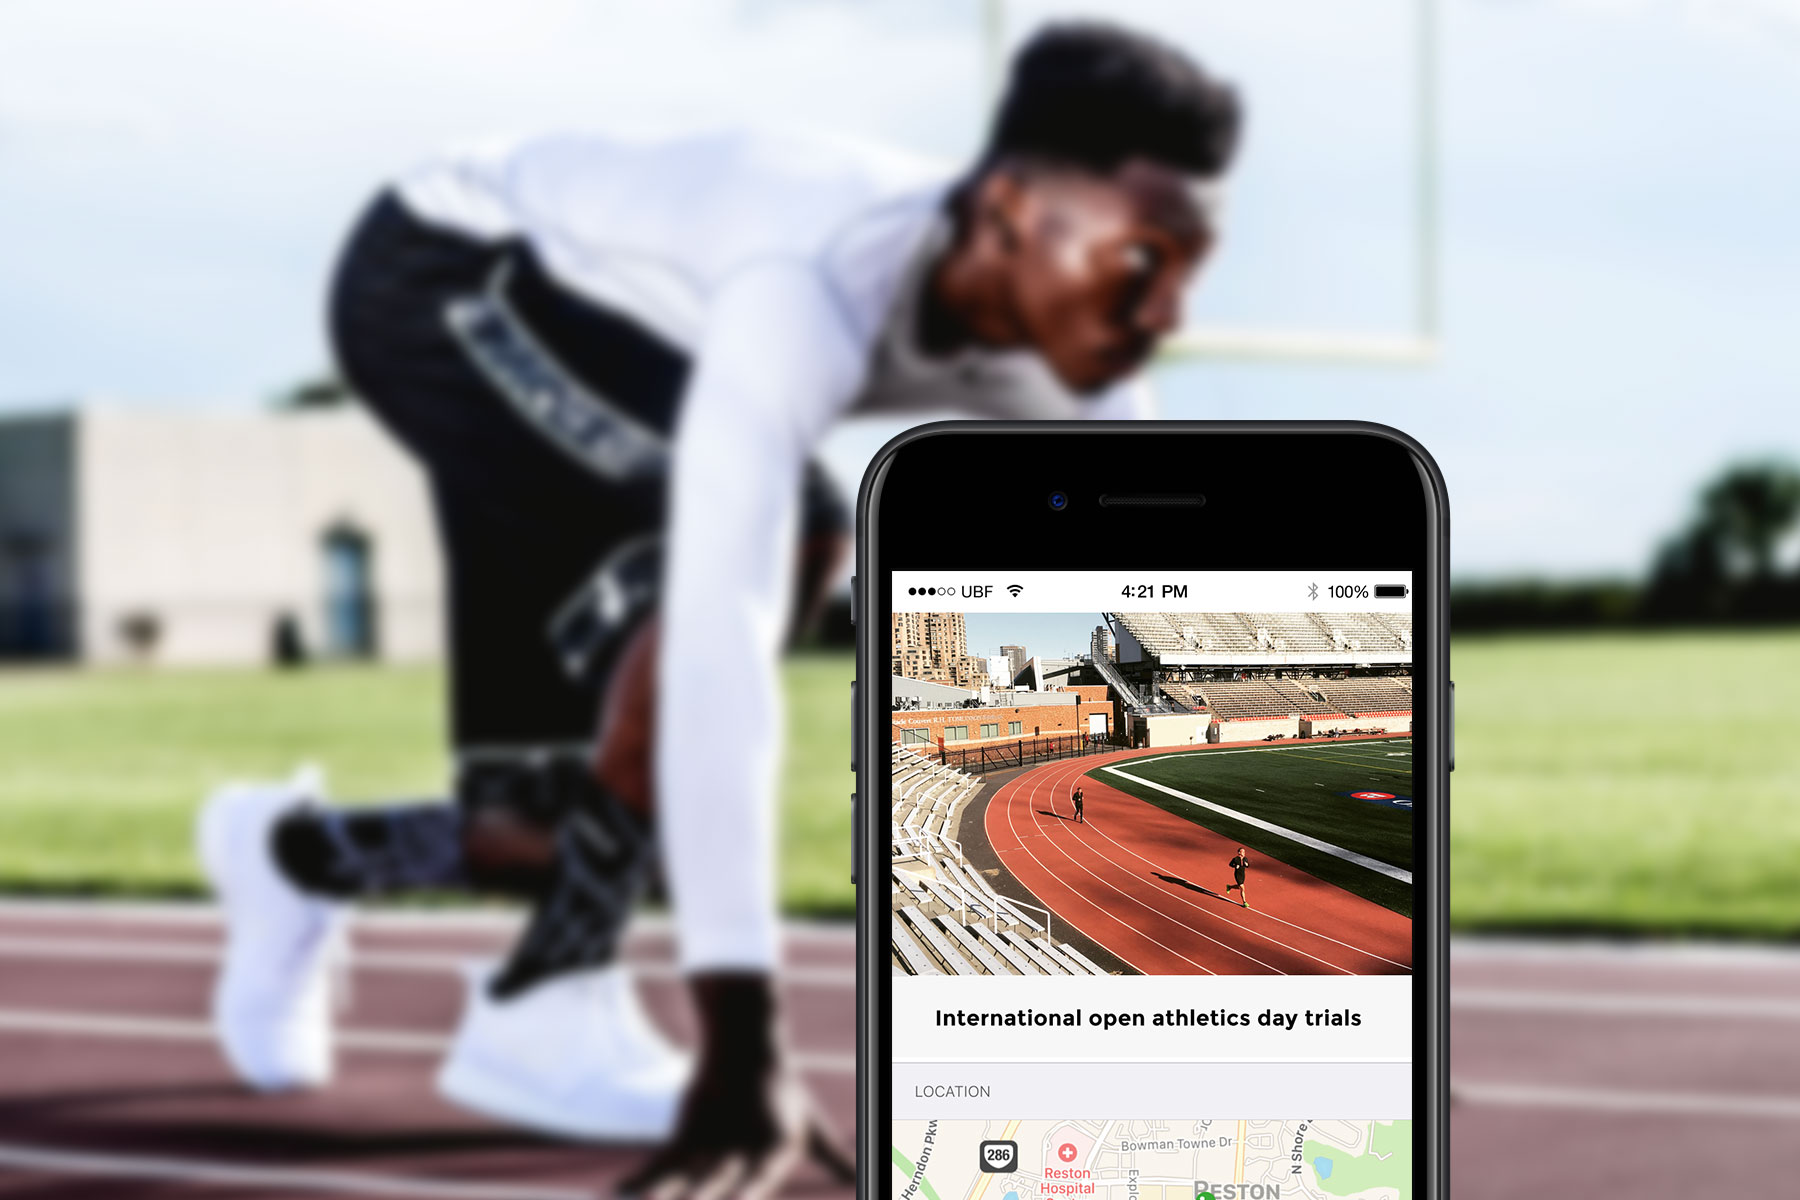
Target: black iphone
1152, 743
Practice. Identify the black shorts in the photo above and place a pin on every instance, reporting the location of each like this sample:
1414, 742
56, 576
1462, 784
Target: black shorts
542, 421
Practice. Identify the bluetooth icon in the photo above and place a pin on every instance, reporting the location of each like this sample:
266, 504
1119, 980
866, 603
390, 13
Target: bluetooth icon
1312, 591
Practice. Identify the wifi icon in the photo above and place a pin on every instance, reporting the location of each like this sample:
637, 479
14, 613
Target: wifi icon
1014, 589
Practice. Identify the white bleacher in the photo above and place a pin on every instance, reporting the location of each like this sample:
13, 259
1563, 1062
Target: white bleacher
912, 955
956, 900
947, 918
1066, 965
915, 888
1037, 952
924, 927
1265, 634
1153, 631
1082, 960
1214, 632
1249, 699
1184, 695
961, 926
1020, 964
1290, 633
969, 876
1368, 695
971, 946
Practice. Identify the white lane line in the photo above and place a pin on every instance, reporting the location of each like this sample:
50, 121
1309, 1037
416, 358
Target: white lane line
500, 921
1011, 792
403, 962
1169, 891
1260, 912
376, 1041
1372, 741
1636, 1101
286, 1179
1074, 771
177, 1029
1651, 954
1292, 835
1624, 1004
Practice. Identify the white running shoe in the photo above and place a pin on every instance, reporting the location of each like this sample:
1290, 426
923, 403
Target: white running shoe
574, 1057
272, 1001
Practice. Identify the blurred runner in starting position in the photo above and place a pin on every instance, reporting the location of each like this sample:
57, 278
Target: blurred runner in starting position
613, 359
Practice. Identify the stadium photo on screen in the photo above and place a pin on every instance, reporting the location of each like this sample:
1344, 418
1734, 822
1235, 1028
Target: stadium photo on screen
1159, 793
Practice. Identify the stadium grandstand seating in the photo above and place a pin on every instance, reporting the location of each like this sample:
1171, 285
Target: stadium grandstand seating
947, 919
1367, 631
926, 794
1177, 633
1241, 699
1397, 627
1248, 699
1183, 696
1152, 630
1368, 695
1215, 632
1289, 633
1301, 695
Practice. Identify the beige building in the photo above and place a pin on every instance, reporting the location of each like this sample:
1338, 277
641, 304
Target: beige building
196, 537
935, 647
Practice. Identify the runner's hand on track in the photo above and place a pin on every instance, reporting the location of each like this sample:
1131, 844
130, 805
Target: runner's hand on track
747, 1123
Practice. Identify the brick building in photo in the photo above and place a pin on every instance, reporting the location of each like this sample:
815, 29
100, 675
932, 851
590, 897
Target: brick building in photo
933, 714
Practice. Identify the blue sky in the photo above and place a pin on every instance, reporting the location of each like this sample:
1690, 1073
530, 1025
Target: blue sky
1048, 635
1621, 272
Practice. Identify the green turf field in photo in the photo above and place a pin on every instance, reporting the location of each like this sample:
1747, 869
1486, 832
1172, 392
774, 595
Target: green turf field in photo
1305, 788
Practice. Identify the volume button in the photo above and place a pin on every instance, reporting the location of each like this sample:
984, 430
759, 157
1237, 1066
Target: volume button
1452, 734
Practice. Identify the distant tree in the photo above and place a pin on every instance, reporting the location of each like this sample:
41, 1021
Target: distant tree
1688, 581
1748, 511
1723, 565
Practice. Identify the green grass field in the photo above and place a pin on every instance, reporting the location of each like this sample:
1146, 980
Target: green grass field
1623, 783
1300, 788
1628, 783
100, 772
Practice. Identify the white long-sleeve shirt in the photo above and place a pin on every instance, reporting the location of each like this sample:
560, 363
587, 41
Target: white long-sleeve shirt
788, 268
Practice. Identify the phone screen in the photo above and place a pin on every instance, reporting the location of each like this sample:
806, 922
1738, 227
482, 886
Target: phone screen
1152, 885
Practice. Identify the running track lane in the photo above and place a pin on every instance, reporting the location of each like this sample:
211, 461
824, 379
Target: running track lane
111, 1085
1131, 878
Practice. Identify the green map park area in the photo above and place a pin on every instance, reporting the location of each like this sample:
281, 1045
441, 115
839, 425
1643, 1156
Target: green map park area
1387, 1163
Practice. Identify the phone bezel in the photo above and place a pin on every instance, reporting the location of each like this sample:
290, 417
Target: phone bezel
1401, 522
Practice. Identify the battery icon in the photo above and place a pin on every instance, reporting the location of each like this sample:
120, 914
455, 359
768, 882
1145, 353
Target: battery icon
1390, 591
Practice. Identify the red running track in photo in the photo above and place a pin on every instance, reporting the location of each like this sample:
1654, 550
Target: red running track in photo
1149, 886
